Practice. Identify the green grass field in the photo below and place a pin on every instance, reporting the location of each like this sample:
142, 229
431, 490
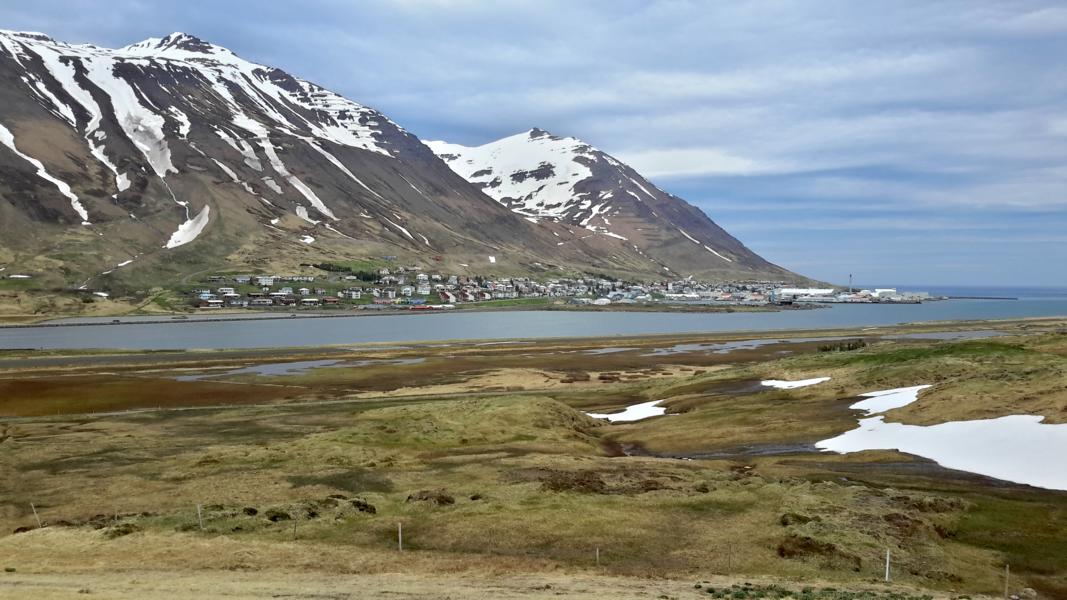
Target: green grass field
484, 457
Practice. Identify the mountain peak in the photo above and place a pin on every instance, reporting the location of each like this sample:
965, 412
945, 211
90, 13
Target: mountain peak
35, 36
537, 132
185, 41
179, 45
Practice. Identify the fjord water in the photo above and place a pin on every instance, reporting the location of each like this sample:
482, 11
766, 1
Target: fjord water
284, 332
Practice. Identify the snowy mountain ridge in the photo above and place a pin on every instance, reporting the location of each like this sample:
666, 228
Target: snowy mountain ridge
544, 176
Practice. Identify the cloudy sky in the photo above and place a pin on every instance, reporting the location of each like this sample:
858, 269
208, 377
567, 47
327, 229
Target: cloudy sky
905, 142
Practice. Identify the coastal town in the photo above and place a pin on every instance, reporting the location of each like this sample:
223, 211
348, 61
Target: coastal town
412, 288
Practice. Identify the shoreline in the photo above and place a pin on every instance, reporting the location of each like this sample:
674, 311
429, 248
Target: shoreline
237, 315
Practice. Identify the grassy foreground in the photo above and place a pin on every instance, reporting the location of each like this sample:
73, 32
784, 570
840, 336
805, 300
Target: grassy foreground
482, 454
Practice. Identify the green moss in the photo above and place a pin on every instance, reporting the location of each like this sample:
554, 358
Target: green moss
1029, 534
980, 350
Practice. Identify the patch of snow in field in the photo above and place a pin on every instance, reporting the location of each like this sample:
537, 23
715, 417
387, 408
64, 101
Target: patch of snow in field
307, 239
879, 402
1017, 448
101, 294
636, 412
8, 139
189, 230
790, 385
492, 260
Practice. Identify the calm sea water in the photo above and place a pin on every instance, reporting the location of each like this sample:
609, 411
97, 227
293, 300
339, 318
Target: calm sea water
525, 324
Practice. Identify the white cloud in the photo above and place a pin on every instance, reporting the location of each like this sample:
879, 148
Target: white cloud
674, 162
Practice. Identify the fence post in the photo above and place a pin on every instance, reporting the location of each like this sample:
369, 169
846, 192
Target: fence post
35, 515
887, 565
400, 537
598, 556
1007, 579
200, 517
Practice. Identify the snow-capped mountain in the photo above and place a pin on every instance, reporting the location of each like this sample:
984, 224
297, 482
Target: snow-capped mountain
565, 180
171, 156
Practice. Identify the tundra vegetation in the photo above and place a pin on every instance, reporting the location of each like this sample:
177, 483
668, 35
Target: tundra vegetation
188, 468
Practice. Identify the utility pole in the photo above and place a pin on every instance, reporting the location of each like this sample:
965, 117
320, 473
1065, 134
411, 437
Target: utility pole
200, 517
400, 537
850, 283
887, 565
35, 515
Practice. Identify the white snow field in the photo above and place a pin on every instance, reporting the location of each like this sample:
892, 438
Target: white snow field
879, 402
636, 412
792, 385
1016, 448
189, 230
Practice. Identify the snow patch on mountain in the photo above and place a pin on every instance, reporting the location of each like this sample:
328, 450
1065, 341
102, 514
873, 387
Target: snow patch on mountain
191, 229
273, 185
717, 254
8, 139
233, 177
402, 229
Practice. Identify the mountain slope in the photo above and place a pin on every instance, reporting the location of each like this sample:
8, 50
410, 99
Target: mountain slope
178, 153
567, 181
171, 157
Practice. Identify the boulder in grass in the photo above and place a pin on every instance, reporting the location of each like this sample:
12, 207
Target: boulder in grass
435, 497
